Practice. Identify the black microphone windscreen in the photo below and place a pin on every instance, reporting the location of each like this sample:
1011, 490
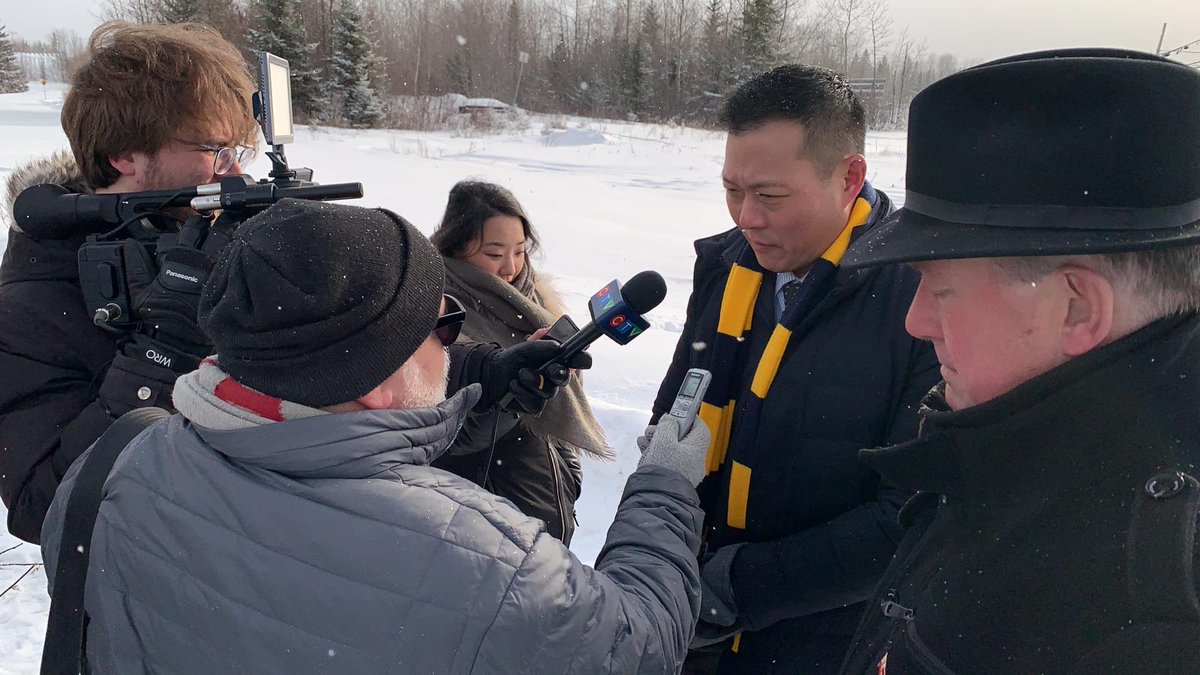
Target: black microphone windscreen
644, 291
51, 211
35, 212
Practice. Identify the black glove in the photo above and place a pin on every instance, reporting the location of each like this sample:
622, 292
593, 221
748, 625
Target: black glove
719, 619
509, 380
169, 334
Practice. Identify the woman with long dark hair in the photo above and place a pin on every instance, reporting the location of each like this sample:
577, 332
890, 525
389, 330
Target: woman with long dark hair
486, 238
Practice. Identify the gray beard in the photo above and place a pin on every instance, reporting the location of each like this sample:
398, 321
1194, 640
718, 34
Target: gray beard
421, 392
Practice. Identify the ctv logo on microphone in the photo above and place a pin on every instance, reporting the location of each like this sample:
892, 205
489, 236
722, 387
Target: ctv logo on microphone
614, 316
624, 326
604, 297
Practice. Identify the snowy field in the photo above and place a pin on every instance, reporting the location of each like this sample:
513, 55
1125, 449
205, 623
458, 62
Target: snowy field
609, 199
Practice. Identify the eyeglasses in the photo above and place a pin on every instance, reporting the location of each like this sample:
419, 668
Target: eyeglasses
224, 156
449, 324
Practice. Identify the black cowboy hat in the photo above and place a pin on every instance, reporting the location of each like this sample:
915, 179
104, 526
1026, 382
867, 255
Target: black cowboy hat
1050, 153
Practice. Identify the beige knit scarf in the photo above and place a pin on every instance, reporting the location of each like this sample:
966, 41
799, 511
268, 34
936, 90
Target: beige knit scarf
506, 314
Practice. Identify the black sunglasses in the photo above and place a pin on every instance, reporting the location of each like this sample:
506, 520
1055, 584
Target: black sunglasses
449, 324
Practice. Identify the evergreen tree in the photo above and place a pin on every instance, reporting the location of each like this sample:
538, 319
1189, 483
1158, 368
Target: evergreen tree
180, 11
512, 38
714, 49
631, 79
756, 37
713, 60
225, 16
280, 30
653, 62
351, 68
458, 71
561, 81
12, 75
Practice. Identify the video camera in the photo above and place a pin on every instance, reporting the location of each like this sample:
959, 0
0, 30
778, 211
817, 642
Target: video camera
113, 265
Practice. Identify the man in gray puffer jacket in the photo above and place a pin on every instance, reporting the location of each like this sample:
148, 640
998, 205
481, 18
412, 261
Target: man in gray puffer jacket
287, 520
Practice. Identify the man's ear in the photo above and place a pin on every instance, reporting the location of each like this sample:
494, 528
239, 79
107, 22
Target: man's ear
853, 172
378, 398
126, 164
1089, 320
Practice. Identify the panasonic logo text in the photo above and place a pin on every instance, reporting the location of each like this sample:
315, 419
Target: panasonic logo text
177, 275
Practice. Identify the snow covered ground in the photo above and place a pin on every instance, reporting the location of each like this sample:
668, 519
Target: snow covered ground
609, 199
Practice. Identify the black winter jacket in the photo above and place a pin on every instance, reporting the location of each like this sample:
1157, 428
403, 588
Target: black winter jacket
539, 477
821, 526
64, 380
1063, 540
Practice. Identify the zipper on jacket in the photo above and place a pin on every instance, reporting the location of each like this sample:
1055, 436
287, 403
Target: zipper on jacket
558, 490
923, 653
925, 656
893, 609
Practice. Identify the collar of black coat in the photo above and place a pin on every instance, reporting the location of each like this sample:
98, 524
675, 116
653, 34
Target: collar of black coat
729, 246
58, 168
347, 445
29, 259
1099, 424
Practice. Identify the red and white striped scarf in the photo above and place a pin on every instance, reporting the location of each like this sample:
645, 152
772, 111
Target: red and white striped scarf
208, 397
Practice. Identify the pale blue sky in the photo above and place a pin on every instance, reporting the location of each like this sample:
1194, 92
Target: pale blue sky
972, 29
985, 29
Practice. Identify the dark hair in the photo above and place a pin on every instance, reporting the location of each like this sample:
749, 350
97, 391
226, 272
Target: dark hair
835, 123
470, 204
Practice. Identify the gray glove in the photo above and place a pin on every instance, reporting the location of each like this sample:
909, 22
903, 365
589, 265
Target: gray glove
643, 441
687, 455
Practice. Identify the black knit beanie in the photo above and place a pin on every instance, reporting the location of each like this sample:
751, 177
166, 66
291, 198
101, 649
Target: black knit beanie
319, 303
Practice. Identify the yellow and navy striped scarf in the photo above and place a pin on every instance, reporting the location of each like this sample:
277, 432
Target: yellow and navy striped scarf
729, 355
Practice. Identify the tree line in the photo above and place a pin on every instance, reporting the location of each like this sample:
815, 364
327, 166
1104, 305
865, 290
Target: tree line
649, 60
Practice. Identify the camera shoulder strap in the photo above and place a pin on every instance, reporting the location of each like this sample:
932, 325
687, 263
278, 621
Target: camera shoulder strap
63, 652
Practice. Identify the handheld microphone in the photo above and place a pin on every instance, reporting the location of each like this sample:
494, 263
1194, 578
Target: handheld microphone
616, 312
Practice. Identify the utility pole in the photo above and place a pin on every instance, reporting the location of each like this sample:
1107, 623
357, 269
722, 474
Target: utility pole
1158, 49
522, 58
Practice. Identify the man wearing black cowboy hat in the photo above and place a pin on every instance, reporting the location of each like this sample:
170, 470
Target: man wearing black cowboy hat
1053, 211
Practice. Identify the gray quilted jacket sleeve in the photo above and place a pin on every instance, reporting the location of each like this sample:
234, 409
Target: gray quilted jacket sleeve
634, 613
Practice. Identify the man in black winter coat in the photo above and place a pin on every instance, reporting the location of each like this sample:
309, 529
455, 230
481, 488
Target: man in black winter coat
152, 108
132, 126
1053, 211
810, 364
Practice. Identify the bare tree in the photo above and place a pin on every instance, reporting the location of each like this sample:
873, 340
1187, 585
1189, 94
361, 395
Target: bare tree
879, 25
68, 50
844, 15
581, 49
135, 11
